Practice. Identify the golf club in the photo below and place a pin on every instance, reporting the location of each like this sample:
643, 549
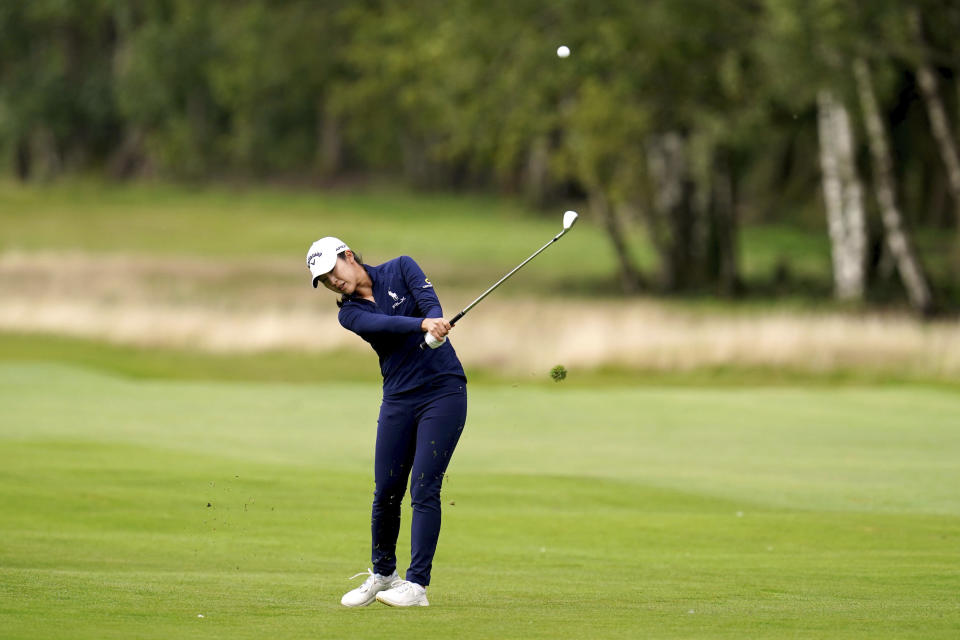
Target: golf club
569, 218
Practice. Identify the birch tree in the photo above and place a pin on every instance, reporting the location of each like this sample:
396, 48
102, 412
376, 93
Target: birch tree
843, 197
897, 239
940, 125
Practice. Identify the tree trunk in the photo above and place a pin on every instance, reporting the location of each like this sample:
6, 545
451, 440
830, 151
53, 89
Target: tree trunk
45, 159
329, 140
536, 174
956, 84
723, 227
937, 114
908, 265
129, 159
673, 208
843, 196
628, 274
22, 160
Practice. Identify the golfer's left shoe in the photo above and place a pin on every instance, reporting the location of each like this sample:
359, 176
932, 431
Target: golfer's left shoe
404, 593
365, 593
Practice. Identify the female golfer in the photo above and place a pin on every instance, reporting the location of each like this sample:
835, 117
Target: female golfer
424, 408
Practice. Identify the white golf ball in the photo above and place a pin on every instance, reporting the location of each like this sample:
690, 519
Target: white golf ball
563, 51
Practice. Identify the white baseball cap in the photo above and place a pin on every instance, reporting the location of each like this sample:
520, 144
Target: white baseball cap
322, 256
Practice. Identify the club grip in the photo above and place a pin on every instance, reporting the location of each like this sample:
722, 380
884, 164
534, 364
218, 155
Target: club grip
433, 343
430, 341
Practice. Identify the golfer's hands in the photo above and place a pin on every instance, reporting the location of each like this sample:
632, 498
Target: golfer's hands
437, 327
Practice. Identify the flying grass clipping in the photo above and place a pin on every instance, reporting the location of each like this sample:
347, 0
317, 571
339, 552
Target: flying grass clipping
558, 373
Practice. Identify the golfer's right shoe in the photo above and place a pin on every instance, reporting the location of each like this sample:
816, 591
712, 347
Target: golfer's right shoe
367, 592
404, 593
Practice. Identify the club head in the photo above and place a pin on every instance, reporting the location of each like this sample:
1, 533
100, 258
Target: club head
569, 218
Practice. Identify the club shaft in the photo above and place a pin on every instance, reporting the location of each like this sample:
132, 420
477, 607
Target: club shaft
504, 279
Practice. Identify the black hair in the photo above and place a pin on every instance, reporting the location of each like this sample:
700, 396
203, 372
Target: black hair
359, 259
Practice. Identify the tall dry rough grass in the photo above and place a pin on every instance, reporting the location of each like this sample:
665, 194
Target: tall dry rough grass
243, 307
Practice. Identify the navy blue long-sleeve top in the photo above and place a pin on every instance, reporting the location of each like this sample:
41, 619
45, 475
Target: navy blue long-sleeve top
404, 297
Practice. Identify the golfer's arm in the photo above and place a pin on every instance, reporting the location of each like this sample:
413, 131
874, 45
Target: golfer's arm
422, 288
364, 323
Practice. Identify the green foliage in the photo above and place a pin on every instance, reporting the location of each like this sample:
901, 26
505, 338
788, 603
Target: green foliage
468, 88
269, 76
558, 373
163, 88
55, 84
471, 94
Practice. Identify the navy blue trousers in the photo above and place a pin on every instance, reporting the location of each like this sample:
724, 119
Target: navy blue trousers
416, 434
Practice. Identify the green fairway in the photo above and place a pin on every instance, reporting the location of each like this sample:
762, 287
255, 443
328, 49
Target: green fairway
569, 512
469, 238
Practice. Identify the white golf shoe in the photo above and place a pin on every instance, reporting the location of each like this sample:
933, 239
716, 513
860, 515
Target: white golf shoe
367, 592
404, 593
